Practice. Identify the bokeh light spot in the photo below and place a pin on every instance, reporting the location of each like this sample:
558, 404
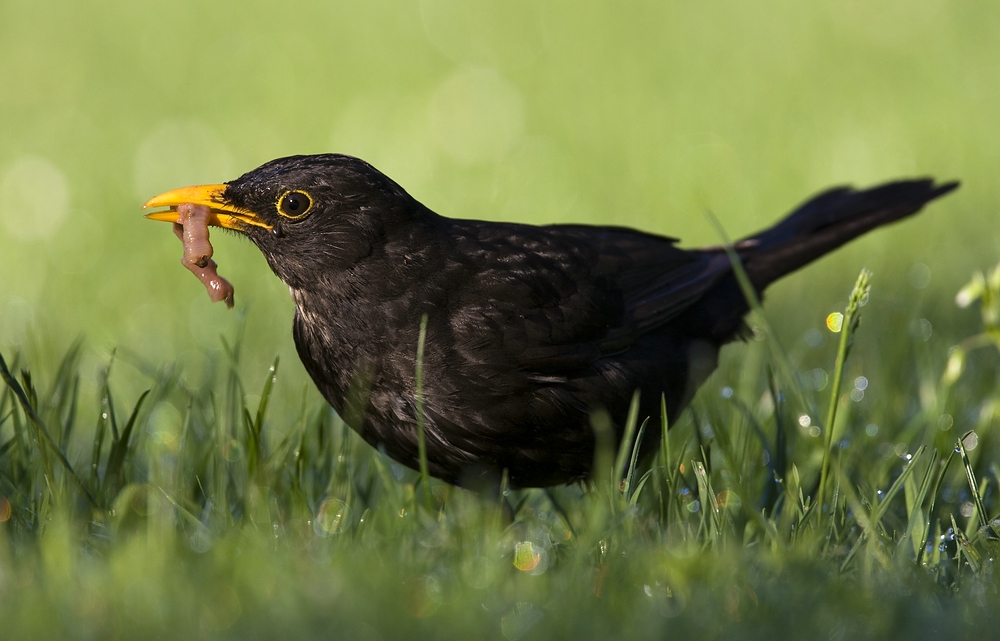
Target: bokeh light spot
476, 115
179, 153
526, 558
34, 199
920, 275
333, 517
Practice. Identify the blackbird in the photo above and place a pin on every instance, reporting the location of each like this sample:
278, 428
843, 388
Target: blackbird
529, 330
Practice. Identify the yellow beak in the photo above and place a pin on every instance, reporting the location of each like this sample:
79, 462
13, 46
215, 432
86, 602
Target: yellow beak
222, 213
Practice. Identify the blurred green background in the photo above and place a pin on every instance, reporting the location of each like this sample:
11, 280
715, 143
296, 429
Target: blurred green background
646, 114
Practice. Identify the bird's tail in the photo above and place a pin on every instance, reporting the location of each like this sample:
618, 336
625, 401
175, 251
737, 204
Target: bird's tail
829, 220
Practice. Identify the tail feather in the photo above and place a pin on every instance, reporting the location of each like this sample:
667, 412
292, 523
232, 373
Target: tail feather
829, 220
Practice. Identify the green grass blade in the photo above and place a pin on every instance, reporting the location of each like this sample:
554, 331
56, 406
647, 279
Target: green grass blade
119, 449
425, 477
971, 439
633, 463
625, 447
40, 425
852, 318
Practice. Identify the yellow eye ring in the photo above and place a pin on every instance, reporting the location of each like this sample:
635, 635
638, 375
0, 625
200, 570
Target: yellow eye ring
294, 204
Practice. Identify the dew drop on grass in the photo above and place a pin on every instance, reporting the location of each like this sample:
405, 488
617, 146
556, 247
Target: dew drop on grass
970, 441
834, 322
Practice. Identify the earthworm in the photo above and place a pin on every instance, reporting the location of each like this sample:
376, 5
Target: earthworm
192, 230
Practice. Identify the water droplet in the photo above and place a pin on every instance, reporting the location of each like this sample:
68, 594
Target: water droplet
805, 420
835, 322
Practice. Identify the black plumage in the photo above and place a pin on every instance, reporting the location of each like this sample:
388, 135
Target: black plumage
530, 329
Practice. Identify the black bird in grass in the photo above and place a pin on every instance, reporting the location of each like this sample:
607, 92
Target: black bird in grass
530, 329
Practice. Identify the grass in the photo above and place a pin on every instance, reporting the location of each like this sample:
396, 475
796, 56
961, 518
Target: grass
185, 512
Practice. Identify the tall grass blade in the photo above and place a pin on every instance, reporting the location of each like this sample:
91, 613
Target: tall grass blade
935, 491
625, 448
851, 320
425, 477
119, 448
968, 441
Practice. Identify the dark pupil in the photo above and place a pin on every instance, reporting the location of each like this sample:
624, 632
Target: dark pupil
293, 203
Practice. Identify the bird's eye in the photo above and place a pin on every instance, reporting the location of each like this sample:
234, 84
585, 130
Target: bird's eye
294, 204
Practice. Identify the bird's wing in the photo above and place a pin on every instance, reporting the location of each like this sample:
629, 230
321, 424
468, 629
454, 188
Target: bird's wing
565, 296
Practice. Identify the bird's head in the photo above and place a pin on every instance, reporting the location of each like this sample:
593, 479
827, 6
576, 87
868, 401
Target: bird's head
309, 215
